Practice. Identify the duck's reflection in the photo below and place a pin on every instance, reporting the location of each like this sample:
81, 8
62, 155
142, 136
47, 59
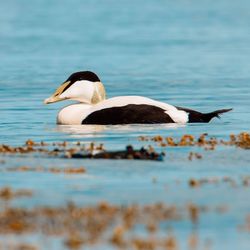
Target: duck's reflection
98, 130
81, 129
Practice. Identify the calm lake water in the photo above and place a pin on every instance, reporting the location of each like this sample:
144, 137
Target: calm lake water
193, 54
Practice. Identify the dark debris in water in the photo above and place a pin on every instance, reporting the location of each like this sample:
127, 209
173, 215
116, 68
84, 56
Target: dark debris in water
130, 154
82, 151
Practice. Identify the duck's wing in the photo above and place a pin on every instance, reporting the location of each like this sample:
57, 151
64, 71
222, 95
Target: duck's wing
129, 114
134, 109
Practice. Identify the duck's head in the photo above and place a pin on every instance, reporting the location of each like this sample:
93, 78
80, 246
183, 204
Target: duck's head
83, 86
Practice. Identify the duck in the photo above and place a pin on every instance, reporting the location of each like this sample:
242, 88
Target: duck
92, 106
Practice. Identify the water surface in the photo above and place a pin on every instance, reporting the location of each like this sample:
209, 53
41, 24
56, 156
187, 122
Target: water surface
188, 53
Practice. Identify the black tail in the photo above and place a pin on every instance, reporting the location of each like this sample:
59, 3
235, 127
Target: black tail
209, 116
195, 116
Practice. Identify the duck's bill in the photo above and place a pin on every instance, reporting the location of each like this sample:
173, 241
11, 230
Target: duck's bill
56, 97
53, 99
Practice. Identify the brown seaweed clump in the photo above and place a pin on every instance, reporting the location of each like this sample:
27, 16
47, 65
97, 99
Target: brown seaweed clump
54, 170
241, 140
80, 150
243, 181
103, 223
19, 246
7, 193
193, 155
246, 225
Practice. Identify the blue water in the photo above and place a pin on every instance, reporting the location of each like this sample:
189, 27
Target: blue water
193, 54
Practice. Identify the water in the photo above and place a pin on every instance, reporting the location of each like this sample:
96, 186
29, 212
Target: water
188, 53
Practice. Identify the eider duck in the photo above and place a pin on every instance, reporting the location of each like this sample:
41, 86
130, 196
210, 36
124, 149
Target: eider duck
86, 88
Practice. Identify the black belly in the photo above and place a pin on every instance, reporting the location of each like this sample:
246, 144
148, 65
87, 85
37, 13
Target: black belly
129, 114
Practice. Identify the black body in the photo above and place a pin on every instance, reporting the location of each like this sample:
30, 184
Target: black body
144, 114
129, 114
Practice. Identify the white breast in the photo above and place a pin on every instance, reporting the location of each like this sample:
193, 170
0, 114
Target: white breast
73, 114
